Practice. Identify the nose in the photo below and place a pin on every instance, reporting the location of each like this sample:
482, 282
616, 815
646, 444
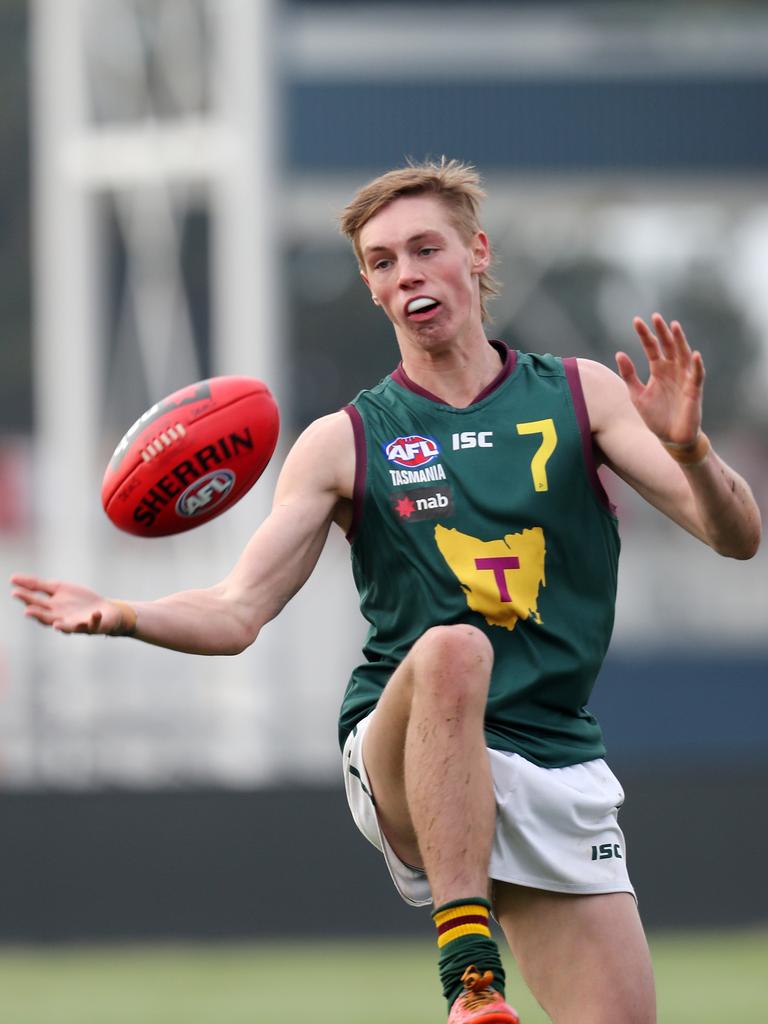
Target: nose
409, 272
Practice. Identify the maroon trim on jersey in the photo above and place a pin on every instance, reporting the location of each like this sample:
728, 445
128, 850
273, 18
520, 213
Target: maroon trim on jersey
508, 362
587, 444
508, 359
361, 469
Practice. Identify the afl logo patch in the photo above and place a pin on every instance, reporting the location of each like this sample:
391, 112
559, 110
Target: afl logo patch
206, 493
412, 451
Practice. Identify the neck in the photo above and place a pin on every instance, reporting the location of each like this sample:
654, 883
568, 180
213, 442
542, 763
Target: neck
455, 374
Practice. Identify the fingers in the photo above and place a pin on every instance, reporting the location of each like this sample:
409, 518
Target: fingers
46, 617
697, 369
27, 596
45, 603
681, 347
37, 607
669, 341
42, 615
647, 339
32, 591
34, 583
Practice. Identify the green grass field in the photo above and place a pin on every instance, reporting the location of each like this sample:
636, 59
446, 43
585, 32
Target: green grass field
702, 979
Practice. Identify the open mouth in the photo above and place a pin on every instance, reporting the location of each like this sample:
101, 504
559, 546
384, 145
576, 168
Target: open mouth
421, 306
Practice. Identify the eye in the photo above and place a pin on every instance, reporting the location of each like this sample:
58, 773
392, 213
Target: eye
427, 250
381, 264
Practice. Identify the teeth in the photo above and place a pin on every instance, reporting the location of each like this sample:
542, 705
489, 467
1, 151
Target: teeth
415, 305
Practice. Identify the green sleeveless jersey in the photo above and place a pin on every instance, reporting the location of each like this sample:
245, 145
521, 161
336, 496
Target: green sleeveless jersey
492, 515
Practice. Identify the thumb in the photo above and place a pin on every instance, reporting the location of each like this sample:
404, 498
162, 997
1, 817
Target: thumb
628, 374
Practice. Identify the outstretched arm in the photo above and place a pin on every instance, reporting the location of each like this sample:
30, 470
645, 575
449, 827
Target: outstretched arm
227, 617
650, 435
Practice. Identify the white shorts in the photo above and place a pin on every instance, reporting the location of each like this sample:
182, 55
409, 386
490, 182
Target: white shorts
556, 828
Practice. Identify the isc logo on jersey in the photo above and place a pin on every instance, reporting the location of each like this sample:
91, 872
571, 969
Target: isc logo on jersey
413, 451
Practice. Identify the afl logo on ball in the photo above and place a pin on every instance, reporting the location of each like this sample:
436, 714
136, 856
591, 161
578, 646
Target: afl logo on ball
412, 451
206, 493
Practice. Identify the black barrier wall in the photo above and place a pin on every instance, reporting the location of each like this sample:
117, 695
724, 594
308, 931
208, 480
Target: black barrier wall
222, 864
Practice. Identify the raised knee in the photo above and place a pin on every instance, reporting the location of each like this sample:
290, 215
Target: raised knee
451, 645
454, 660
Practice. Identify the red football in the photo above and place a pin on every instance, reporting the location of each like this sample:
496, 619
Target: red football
191, 456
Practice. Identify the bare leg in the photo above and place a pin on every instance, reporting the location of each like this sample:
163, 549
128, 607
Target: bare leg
585, 958
426, 759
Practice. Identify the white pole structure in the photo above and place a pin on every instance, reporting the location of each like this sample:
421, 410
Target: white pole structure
226, 158
248, 328
67, 366
246, 196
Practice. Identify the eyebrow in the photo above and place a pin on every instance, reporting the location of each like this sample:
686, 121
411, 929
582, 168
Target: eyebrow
369, 250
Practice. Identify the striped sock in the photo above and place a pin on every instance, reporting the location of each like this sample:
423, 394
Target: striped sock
464, 938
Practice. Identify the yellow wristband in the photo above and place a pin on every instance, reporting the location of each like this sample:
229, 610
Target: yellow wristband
128, 617
690, 455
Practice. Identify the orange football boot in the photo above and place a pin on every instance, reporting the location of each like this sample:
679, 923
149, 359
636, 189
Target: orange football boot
479, 1003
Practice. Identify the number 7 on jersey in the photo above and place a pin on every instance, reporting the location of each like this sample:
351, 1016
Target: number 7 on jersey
548, 444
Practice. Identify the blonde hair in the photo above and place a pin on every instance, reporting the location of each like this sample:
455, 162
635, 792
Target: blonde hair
454, 183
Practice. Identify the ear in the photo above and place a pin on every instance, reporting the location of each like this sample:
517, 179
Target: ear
481, 253
374, 299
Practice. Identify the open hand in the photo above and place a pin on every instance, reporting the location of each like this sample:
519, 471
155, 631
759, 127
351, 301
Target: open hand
67, 607
670, 401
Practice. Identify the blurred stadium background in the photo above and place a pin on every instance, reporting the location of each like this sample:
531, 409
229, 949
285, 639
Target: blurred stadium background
171, 178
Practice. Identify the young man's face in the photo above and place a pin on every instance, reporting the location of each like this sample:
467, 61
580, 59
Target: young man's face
420, 270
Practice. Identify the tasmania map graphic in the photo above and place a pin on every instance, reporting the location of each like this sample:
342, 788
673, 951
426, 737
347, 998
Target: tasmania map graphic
501, 579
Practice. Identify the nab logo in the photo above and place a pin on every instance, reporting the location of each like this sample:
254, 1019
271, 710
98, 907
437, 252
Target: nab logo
412, 451
206, 493
423, 503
